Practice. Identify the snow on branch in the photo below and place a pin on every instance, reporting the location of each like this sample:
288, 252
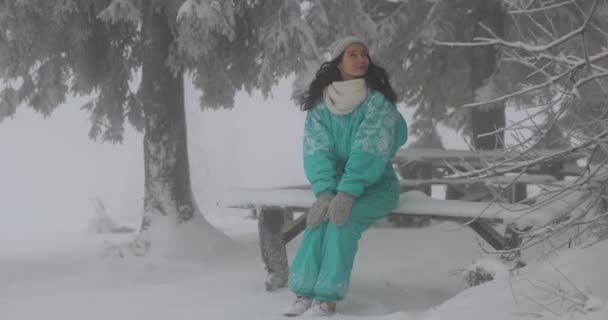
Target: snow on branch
589, 61
504, 166
542, 8
532, 55
552, 80
212, 14
120, 10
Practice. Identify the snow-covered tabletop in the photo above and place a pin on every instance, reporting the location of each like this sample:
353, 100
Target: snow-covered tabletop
497, 180
410, 203
433, 154
478, 159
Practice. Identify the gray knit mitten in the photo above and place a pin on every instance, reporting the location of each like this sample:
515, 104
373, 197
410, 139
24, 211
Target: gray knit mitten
318, 211
340, 207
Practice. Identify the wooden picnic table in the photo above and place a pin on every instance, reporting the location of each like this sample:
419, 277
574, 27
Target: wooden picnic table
431, 166
271, 204
419, 169
437, 163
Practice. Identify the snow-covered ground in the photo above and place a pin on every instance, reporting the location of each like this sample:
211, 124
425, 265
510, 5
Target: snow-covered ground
70, 279
399, 274
52, 268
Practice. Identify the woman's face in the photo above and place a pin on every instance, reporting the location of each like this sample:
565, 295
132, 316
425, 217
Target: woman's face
354, 63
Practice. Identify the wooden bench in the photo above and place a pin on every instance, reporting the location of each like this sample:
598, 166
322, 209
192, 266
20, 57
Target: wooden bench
271, 205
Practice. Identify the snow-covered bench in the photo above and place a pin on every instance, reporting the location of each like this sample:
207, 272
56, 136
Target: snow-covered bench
271, 204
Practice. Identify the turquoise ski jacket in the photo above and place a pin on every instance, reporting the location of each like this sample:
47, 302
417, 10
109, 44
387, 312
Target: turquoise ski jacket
351, 153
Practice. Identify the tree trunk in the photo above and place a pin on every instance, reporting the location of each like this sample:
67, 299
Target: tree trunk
600, 226
168, 200
483, 65
487, 119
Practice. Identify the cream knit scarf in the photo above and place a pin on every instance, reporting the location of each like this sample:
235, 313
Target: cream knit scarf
342, 97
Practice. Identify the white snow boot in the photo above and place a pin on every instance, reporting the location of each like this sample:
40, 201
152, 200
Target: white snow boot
321, 309
298, 307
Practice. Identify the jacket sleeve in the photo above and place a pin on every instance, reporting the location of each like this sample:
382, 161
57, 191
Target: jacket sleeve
320, 163
377, 139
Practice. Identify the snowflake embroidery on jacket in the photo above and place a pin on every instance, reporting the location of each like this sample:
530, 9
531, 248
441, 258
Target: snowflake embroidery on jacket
376, 133
316, 137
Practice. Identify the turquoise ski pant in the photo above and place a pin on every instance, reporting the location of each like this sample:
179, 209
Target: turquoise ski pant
322, 266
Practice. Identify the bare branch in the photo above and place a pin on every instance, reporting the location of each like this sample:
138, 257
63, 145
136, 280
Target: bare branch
500, 168
592, 59
539, 86
553, 6
481, 41
593, 77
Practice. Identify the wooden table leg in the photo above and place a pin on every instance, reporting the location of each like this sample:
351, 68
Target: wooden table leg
489, 234
513, 235
555, 169
519, 192
272, 246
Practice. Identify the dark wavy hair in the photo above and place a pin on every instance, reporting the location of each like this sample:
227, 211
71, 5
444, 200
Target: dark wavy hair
376, 78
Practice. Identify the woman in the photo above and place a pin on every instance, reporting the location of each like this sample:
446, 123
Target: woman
352, 131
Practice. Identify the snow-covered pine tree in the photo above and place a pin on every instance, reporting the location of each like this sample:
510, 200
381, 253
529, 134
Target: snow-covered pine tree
52, 49
554, 59
438, 79
397, 51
